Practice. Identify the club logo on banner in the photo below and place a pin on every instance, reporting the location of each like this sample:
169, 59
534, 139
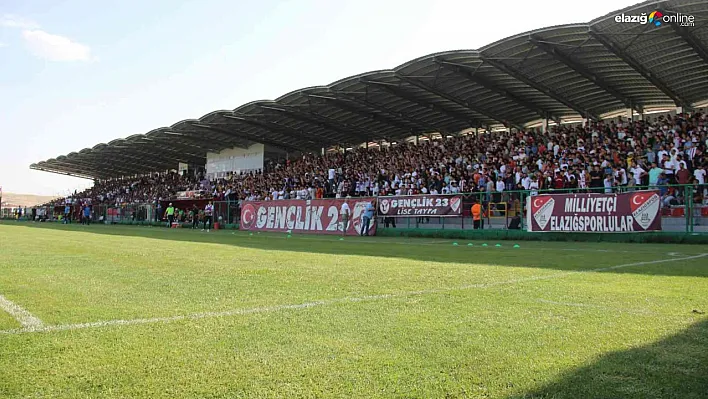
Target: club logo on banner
603, 213
385, 206
421, 205
304, 216
645, 208
542, 208
455, 203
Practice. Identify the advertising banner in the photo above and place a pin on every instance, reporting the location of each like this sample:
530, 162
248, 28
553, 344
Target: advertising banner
421, 205
190, 194
594, 213
321, 216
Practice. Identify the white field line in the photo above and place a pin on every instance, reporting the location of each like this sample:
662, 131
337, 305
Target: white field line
26, 319
367, 298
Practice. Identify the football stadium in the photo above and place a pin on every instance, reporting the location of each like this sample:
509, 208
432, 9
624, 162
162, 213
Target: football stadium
524, 220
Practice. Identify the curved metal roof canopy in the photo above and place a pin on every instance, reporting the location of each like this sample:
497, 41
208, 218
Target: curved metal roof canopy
579, 70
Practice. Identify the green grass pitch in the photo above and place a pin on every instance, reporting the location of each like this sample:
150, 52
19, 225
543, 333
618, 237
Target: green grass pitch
138, 312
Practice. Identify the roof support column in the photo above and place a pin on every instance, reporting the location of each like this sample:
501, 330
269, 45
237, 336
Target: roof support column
544, 128
679, 110
630, 115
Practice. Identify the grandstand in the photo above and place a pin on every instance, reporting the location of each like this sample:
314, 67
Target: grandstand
556, 100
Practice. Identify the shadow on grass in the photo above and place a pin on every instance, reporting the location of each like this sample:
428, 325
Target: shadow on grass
675, 367
558, 256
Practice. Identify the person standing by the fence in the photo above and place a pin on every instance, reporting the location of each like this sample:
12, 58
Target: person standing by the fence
170, 213
208, 214
476, 212
366, 218
87, 215
195, 217
344, 213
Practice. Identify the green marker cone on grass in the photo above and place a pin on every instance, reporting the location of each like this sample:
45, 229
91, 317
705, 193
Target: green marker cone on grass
455, 244
484, 245
341, 238
470, 245
250, 234
498, 245
516, 246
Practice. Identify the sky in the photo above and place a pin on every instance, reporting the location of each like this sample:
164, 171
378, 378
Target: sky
75, 73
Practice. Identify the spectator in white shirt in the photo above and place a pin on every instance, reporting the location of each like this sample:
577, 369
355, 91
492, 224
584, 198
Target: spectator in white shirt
661, 153
525, 182
700, 174
637, 173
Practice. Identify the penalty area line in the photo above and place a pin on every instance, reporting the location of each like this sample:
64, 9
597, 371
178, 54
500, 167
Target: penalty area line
311, 304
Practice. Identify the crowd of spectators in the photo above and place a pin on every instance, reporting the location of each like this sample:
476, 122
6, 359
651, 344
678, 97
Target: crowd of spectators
132, 190
660, 151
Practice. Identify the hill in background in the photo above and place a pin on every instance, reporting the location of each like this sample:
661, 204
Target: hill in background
11, 199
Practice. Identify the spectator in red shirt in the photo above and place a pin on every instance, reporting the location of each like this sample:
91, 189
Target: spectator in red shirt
683, 176
558, 181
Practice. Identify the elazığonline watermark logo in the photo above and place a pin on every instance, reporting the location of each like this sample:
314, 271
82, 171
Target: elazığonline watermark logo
657, 18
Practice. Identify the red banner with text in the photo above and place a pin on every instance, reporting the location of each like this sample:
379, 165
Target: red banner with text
594, 213
322, 216
421, 205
